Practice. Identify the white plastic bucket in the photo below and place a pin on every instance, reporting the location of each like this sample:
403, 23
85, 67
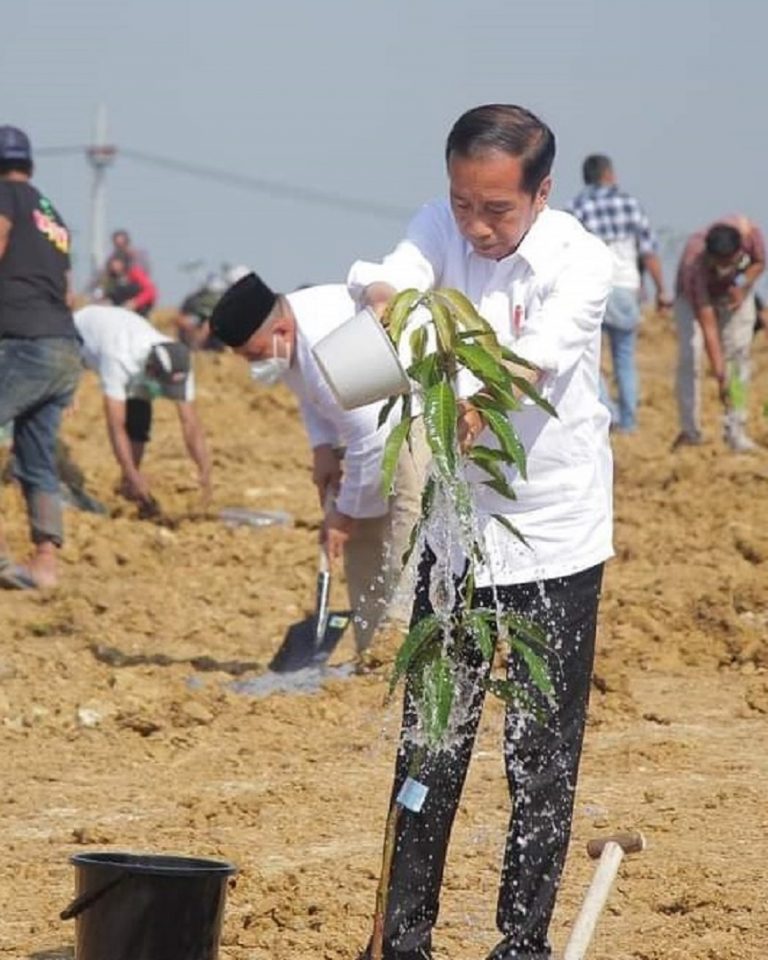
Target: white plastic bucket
360, 363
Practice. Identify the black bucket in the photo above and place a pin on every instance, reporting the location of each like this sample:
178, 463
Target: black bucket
143, 907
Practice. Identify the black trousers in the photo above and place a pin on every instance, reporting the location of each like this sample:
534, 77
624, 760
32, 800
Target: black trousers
541, 759
138, 419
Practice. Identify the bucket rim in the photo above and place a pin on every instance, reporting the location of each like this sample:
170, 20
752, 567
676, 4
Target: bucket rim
163, 864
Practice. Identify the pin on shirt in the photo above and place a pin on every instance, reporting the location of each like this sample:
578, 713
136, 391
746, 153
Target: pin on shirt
518, 316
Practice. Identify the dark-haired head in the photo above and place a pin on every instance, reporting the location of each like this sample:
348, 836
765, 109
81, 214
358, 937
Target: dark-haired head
9, 167
595, 169
509, 129
722, 241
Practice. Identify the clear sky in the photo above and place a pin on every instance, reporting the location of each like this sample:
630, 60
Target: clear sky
354, 98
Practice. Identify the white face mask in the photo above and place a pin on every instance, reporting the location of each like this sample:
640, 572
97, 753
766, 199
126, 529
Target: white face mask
270, 371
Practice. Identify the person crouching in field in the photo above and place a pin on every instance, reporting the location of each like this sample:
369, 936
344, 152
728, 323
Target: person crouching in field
275, 333
715, 306
135, 364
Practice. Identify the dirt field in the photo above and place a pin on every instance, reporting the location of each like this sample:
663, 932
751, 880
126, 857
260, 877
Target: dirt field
293, 787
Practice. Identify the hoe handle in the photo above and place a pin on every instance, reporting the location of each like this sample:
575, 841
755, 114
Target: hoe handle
609, 851
629, 843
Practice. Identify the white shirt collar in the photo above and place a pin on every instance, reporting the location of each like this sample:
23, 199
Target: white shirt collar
536, 246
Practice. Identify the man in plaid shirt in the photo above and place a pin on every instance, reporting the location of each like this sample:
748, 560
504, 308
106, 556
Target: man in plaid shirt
618, 219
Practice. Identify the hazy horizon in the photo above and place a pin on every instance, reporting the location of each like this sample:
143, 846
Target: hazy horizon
356, 100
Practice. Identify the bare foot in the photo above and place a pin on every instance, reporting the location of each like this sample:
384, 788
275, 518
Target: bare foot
43, 565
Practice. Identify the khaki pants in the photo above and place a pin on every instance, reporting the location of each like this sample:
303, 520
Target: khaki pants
736, 330
377, 586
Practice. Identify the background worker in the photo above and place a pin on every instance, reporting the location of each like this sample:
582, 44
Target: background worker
39, 357
542, 281
275, 333
715, 305
127, 285
618, 219
135, 364
193, 319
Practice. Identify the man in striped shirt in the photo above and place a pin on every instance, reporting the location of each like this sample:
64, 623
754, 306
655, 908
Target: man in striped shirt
618, 219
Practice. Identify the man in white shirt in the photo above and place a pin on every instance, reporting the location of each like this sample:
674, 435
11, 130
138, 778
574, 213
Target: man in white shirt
276, 333
136, 363
542, 281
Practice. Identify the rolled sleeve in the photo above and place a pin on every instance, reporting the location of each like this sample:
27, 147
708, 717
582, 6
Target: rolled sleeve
756, 245
114, 378
644, 235
416, 261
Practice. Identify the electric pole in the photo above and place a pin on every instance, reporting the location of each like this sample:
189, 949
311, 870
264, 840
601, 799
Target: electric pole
100, 155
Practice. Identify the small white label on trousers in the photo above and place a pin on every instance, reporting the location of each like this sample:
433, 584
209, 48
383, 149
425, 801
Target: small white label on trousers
412, 795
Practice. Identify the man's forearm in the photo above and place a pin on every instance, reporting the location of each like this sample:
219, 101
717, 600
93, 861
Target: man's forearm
121, 447
197, 448
751, 274
712, 345
652, 264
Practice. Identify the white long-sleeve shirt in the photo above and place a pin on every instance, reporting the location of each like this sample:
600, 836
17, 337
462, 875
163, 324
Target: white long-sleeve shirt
545, 302
319, 311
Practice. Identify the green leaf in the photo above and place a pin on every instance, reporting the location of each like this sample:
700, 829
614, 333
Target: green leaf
502, 488
537, 667
391, 455
470, 319
426, 372
491, 467
418, 343
505, 398
385, 411
507, 437
440, 414
436, 698
482, 364
488, 453
737, 390
514, 695
480, 628
399, 310
508, 525
444, 325
427, 497
526, 628
418, 637
515, 358
530, 391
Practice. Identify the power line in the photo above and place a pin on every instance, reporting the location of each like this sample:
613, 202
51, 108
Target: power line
259, 184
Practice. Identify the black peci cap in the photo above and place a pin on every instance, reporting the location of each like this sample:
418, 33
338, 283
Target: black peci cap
242, 309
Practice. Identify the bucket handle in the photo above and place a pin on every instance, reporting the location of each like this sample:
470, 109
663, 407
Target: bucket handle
87, 899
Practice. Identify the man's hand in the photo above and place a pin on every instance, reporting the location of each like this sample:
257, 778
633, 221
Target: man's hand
664, 304
377, 296
724, 391
470, 425
326, 471
337, 529
135, 488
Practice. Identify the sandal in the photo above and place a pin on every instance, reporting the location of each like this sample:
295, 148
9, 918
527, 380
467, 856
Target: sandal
15, 577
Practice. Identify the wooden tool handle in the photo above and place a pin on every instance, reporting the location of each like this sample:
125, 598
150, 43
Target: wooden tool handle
629, 843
